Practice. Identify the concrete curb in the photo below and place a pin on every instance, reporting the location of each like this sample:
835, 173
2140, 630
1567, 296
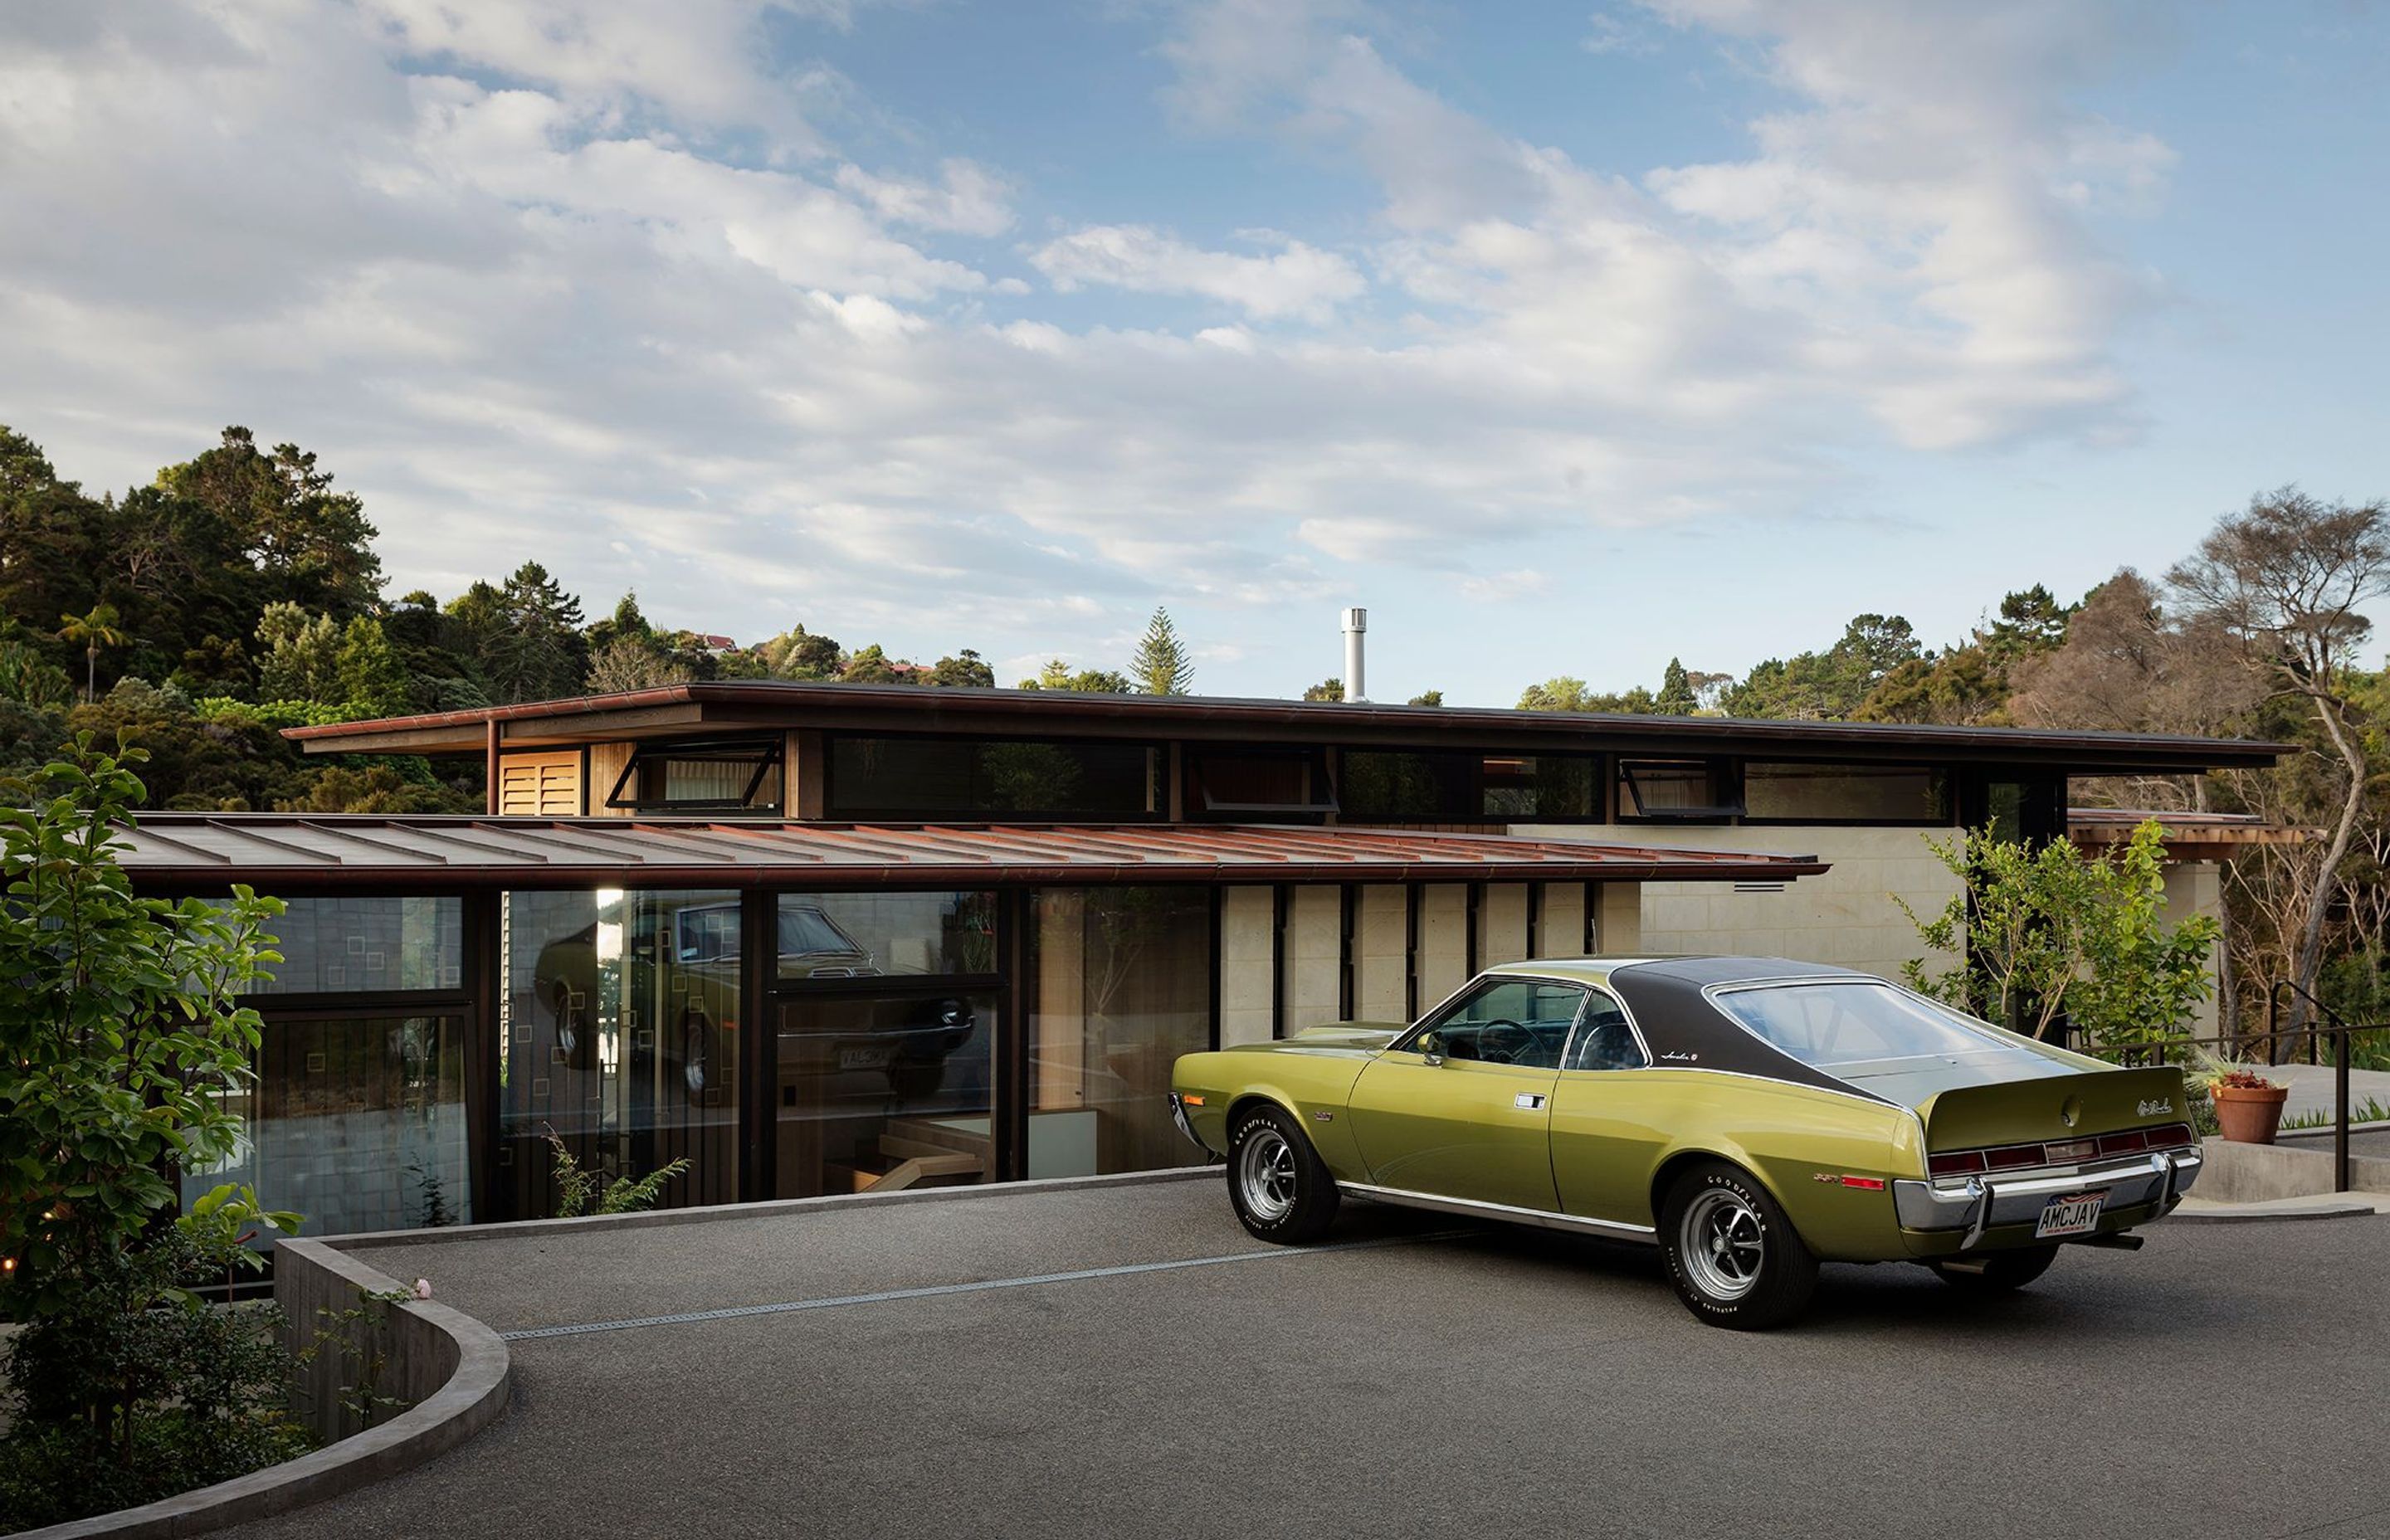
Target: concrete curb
2255, 1215
473, 1396
648, 1218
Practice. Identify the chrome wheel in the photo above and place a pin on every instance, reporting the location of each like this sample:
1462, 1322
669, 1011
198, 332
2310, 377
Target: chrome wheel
1722, 1243
1265, 1175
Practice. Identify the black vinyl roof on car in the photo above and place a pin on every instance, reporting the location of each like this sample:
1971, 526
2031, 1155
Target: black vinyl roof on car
1685, 1031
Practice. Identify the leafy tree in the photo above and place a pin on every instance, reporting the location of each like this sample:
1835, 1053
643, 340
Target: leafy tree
1327, 689
91, 631
1426, 698
1057, 675
123, 1042
2048, 933
2289, 578
303, 655
1826, 686
1566, 693
27, 675
798, 654
631, 664
872, 666
307, 544
50, 536
1161, 665
968, 671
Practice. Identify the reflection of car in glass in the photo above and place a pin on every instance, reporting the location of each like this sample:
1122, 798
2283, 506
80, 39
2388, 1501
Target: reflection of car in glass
1751, 1116
692, 992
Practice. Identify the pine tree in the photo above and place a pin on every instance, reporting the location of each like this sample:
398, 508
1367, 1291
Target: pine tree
1161, 665
1676, 691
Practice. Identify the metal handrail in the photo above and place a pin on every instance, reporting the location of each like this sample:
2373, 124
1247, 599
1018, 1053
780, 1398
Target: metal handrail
2339, 1031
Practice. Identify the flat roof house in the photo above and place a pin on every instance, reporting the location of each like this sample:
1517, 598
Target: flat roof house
820, 938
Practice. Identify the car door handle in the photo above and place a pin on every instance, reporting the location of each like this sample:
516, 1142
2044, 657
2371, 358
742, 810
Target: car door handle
1529, 1101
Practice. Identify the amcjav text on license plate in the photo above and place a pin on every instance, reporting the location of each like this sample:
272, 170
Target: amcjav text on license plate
2076, 1215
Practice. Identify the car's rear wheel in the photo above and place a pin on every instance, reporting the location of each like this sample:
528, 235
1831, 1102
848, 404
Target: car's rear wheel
1733, 1255
1281, 1189
1999, 1272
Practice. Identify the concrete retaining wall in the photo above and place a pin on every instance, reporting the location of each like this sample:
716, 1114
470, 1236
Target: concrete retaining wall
456, 1370
2234, 1172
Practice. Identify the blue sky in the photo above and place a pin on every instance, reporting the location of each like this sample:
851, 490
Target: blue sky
1567, 338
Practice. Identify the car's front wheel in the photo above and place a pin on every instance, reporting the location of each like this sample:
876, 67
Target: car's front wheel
1998, 1272
1734, 1257
1281, 1189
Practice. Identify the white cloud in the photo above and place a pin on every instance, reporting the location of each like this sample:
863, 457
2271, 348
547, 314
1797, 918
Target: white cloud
499, 266
1297, 281
967, 199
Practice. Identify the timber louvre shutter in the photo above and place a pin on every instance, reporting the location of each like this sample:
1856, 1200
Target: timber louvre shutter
539, 786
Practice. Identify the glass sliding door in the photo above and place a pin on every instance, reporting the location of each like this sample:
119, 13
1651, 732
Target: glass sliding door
1123, 986
618, 1033
887, 1015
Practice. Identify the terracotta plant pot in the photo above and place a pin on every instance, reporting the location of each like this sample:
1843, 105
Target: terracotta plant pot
2247, 1116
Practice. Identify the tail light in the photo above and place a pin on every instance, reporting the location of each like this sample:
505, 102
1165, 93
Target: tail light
1961, 1162
2020, 1157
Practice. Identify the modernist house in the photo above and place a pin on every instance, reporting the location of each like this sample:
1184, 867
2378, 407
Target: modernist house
822, 938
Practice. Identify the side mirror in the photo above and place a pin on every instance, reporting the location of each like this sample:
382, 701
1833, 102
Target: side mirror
1431, 1047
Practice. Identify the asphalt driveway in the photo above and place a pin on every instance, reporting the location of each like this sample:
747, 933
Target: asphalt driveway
1127, 1362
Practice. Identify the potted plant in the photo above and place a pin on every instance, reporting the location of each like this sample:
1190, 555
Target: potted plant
2248, 1105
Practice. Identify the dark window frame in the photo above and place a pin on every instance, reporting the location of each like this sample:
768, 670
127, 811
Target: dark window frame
1949, 782
1313, 756
836, 811
1597, 761
1724, 783
766, 753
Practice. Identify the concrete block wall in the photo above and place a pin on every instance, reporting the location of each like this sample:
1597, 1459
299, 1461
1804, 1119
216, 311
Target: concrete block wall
1382, 958
1847, 917
1248, 966
1312, 984
2197, 888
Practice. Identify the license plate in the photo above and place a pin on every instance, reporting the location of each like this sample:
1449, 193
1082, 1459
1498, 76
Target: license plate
2075, 1215
863, 1059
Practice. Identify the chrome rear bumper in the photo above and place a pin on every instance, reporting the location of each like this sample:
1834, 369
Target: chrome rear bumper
1976, 1205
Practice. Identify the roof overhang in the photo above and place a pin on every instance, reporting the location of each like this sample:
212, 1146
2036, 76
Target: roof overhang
287, 854
728, 706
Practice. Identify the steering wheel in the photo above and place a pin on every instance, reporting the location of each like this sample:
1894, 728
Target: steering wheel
1502, 1040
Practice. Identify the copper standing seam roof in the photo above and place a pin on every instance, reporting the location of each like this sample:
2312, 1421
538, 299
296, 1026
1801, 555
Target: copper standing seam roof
279, 852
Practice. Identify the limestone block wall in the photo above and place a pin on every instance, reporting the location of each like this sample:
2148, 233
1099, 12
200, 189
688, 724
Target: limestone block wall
1248, 966
1382, 963
2197, 888
1848, 916
1312, 985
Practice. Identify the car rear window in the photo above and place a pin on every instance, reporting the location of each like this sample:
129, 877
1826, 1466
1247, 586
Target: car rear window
1852, 1022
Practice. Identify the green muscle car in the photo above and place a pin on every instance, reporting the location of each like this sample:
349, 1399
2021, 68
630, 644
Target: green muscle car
1750, 1115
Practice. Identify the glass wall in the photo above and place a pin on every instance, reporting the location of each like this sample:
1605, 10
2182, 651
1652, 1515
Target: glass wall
367, 946
872, 934
1123, 986
1846, 793
879, 778
355, 1124
1463, 787
618, 1033
887, 1015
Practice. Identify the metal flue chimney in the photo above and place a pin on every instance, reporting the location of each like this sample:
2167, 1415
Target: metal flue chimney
1356, 624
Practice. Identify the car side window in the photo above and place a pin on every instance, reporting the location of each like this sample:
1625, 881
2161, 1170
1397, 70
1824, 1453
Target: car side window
1605, 1040
1522, 1022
